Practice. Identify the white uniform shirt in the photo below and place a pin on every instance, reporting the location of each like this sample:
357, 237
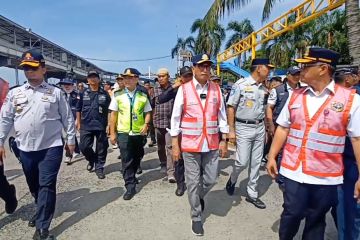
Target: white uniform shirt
273, 95
314, 103
178, 108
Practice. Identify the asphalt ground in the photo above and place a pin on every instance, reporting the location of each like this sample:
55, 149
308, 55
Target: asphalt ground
89, 208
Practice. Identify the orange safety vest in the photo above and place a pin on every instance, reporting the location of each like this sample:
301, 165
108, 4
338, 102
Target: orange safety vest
198, 122
4, 88
318, 143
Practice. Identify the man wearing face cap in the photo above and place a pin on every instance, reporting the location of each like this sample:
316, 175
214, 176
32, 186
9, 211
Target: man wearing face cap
313, 125
246, 113
92, 122
129, 122
39, 113
198, 117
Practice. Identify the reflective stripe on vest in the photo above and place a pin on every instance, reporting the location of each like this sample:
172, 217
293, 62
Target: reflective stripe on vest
317, 142
324, 147
198, 123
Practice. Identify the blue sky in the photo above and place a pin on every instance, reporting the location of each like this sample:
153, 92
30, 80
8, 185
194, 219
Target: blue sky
121, 29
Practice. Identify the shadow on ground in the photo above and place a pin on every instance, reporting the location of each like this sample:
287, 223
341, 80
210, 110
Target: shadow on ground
82, 203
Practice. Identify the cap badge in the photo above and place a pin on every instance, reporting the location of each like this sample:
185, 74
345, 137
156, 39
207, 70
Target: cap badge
205, 57
337, 106
28, 56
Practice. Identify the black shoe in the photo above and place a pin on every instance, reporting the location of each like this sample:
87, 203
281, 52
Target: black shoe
90, 166
42, 234
256, 201
100, 173
137, 181
139, 170
32, 221
11, 204
151, 144
230, 187
197, 228
129, 194
180, 190
202, 203
119, 157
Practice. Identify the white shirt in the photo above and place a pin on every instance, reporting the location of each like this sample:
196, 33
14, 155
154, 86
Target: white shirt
314, 103
115, 107
178, 108
273, 95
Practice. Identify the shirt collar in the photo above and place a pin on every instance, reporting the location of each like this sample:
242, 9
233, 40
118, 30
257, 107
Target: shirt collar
197, 84
42, 85
330, 87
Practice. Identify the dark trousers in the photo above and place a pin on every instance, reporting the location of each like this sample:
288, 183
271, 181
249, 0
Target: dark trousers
132, 150
308, 201
5, 190
161, 144
86, 146
179, 171
348, 210
41, 169
152, 132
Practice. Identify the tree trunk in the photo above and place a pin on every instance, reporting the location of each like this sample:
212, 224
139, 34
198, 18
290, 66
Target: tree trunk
353, 25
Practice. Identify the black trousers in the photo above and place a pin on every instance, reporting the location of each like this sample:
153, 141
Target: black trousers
132, 151
86, 146
5, 190
179, 171
308, 201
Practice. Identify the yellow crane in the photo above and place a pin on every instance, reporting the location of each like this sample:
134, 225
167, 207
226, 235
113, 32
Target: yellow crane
305, 12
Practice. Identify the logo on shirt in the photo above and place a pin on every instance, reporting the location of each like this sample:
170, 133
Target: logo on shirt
337, 106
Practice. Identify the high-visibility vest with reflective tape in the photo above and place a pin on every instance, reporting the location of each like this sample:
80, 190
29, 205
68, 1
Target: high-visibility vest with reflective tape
198, 123
318, 143
126, 120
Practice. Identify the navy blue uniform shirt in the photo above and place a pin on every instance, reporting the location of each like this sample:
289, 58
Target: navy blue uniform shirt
94, 109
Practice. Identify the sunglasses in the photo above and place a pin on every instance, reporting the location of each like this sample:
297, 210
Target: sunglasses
203, 66
309, 65
30, 68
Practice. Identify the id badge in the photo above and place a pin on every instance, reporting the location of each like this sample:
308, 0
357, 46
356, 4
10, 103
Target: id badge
135, 118
100, 110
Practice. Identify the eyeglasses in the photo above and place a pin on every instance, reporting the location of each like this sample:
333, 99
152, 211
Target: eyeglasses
30, 68
309, 65
203, 66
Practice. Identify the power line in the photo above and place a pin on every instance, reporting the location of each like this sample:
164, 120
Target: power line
129, 60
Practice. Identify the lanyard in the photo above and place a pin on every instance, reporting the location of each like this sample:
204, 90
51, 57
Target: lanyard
131, 99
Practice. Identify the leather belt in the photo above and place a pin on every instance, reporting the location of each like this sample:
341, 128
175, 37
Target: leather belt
249, 121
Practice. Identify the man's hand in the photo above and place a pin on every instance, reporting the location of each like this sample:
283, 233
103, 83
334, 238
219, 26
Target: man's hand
357, 191
77, 125
271, 128
175, 152
223, 148
232, 137
113, 139
108, 130
144, 130
272, 168
71, 148
2, 155
176, 84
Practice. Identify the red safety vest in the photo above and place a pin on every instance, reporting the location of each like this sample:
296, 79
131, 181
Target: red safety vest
198, 122
4, 88
318, 143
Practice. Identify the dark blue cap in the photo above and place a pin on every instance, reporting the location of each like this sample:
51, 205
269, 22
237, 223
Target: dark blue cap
201, 58
132, 72
347, 70
66, 81
93, 73
262, 61
318, 54
293, 70
32, 58
185, 70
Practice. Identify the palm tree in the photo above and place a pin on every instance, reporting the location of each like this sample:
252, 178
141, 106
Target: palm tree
219, 7
187, 44
209, 36
352, 23
241, 30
